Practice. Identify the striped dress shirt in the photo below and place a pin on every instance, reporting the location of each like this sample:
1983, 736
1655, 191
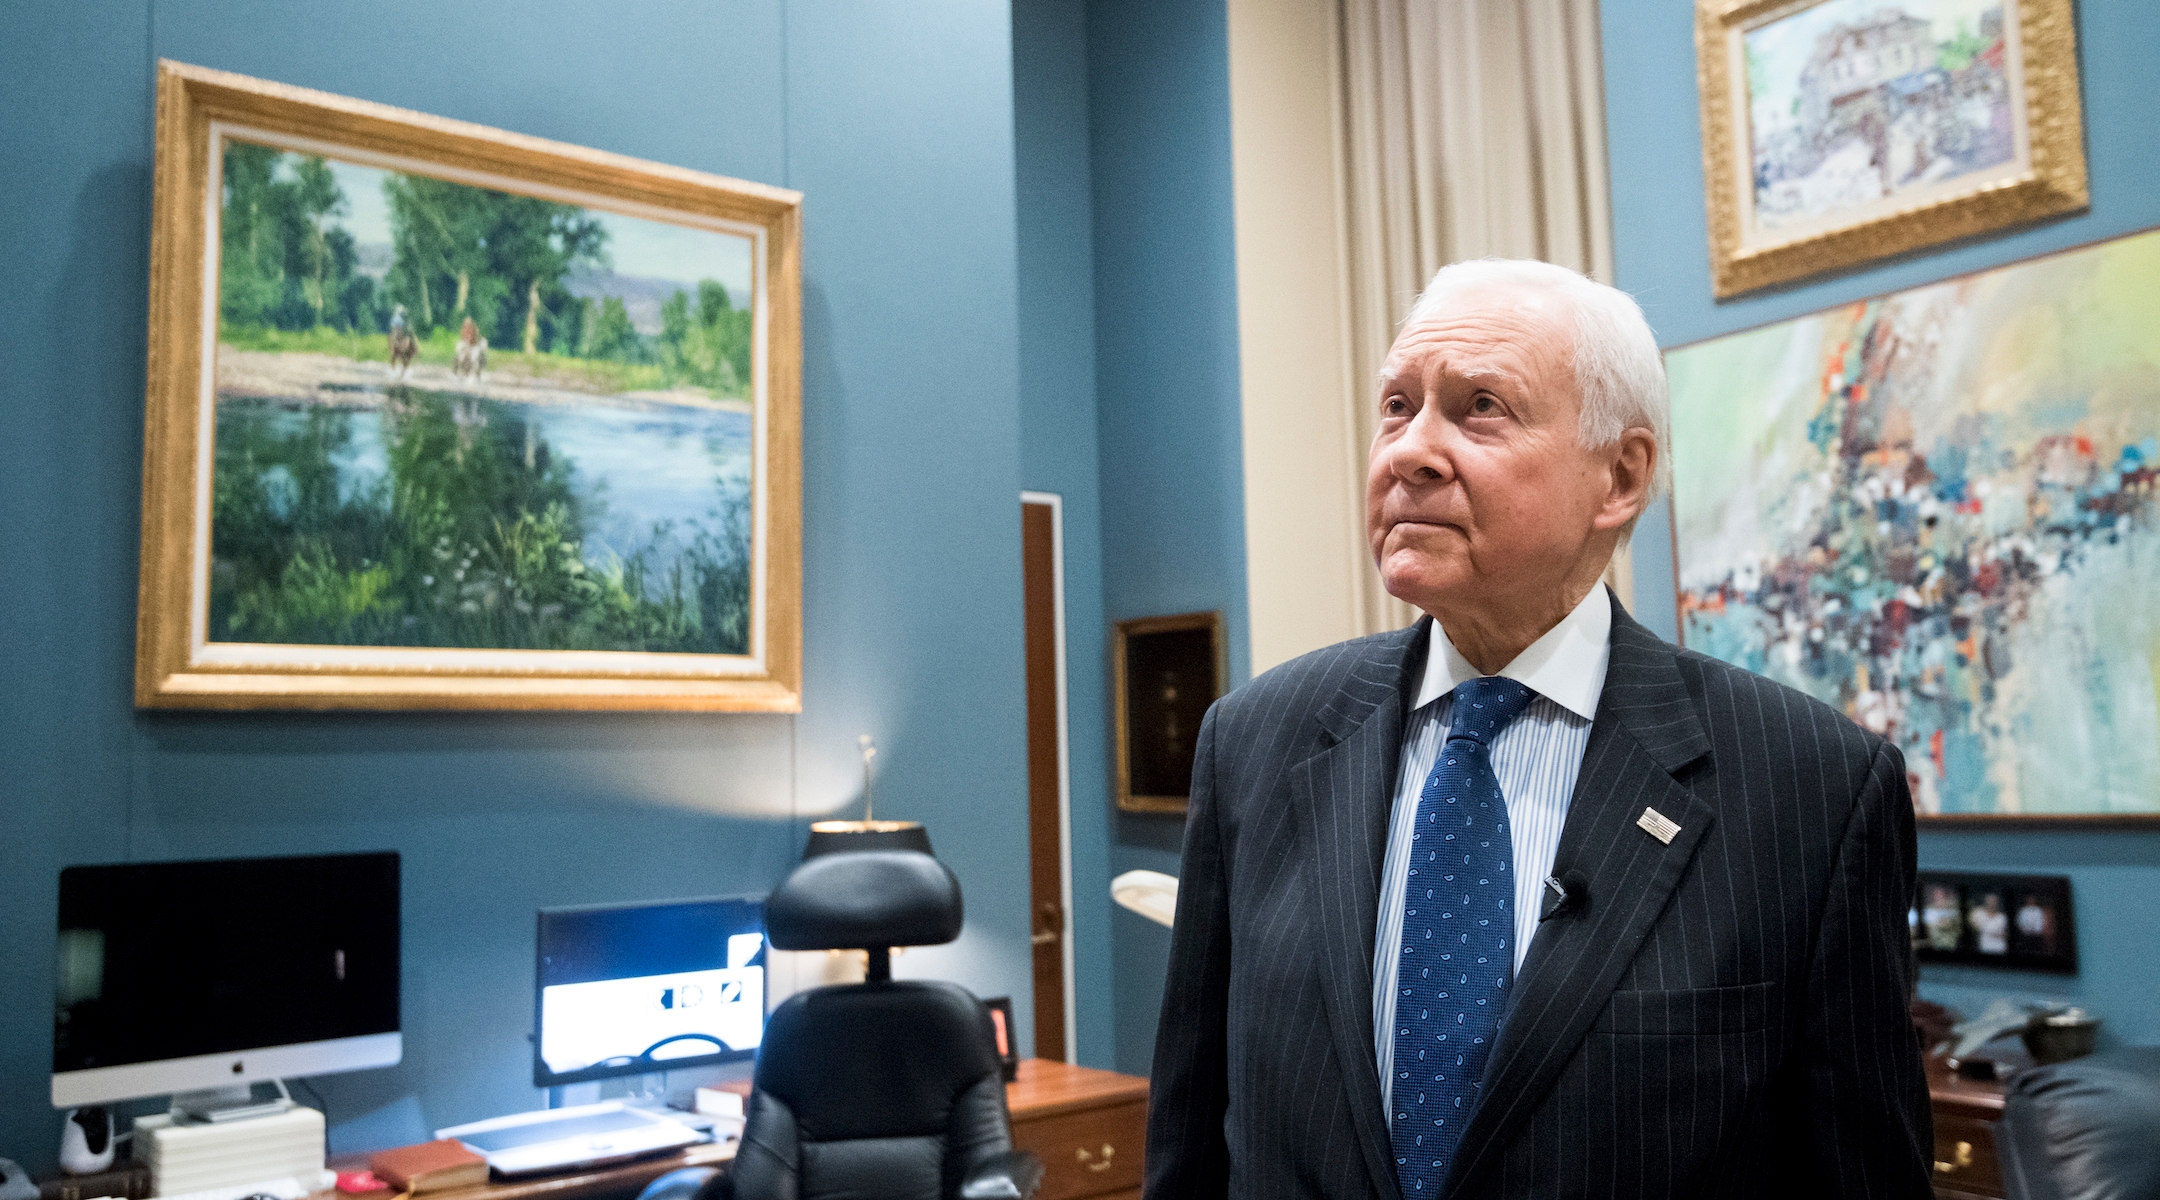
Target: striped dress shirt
1536, 758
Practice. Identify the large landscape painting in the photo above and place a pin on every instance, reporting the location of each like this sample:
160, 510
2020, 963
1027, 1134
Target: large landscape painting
1939, 511
440, 416
450, 416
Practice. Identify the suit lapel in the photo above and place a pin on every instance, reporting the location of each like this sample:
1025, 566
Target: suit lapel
1645, 731
1343, 796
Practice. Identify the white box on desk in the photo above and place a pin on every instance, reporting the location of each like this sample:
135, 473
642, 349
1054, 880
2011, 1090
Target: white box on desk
195, 1158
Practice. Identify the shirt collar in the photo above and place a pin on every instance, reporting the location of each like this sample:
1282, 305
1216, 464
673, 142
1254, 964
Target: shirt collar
1566, 666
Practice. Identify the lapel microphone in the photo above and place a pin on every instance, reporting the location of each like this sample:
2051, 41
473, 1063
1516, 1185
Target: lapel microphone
1566, 894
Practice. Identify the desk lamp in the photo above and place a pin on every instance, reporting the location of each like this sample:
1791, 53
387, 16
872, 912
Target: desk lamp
837, 837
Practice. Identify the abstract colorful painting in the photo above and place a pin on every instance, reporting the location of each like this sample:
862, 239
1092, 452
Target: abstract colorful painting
1939, 511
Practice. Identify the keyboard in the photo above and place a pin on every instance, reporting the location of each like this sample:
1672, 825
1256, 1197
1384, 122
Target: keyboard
287, 1188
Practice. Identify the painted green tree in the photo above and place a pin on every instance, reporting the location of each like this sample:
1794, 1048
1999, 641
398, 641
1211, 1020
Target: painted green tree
608, 332
709, 345
460, 251
285, 263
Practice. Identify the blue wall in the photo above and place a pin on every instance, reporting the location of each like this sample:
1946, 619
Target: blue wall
1659, 251
900, 131
1173, 510
1058, 449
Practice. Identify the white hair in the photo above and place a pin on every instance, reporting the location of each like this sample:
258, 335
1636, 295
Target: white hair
1618, 370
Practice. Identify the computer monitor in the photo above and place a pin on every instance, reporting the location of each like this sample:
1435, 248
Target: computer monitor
189, 976
629, 989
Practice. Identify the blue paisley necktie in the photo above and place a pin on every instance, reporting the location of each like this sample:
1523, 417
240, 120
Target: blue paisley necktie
1458, 938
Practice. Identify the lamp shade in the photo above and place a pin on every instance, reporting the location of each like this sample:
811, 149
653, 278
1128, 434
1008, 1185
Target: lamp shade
1152, 894
840, 837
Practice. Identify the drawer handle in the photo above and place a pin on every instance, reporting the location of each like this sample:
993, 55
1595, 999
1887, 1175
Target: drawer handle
1103, 1164
1960, 1159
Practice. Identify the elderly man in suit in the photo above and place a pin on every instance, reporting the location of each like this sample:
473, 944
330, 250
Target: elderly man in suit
1522, 901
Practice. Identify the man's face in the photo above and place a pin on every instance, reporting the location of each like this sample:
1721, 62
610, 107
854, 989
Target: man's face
1480, 494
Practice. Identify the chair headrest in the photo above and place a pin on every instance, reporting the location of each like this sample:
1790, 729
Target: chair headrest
864, 900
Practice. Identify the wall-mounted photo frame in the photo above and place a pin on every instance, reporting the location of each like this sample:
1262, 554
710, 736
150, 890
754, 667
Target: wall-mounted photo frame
442, 416
1936, 510
1000, 1009
1165, 672
1839, 132
2016, 922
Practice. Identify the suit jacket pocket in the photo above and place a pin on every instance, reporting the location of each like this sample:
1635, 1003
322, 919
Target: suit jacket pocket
1693, 1012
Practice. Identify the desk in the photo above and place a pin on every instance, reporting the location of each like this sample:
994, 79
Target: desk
1966, 1166
1089, 1128
620, 1181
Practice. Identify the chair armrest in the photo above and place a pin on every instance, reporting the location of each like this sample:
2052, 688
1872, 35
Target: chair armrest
2082, 1129
1013, 1175
688, 1183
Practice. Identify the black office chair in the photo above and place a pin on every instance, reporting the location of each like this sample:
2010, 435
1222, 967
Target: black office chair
883, 1090
2084, 1129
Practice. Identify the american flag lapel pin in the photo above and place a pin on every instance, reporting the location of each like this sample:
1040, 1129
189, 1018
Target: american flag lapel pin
1657, 825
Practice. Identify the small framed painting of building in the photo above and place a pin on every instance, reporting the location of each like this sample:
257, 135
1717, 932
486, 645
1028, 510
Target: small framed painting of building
1839, 132
440, 416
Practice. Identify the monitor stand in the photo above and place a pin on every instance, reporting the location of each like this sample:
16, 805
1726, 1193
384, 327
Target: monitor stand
217, 1106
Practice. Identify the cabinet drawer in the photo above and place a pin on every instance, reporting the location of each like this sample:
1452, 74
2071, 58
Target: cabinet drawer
1087, 1153
1965, 1161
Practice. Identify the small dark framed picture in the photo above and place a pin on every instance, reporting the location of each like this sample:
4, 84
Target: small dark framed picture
2020, 922
1166, 671
1001, 1022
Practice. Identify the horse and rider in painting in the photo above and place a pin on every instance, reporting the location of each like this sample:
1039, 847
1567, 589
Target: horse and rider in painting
403, 345
471, 360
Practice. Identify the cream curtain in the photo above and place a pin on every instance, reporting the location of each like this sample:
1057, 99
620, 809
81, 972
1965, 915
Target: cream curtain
1469, 128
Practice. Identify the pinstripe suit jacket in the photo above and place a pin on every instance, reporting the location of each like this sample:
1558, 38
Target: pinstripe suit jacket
1726, 1017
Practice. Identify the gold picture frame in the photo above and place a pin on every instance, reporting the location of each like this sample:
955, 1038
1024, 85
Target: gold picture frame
1840, 132
1165, 672
300, 359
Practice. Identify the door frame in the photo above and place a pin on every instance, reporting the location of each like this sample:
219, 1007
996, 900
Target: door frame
1056, 504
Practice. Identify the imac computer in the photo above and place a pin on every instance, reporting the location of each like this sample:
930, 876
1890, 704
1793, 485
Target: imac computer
203, 976
633, 989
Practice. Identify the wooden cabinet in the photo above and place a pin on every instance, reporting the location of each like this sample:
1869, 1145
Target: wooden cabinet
1089, 1128
1966, 1166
